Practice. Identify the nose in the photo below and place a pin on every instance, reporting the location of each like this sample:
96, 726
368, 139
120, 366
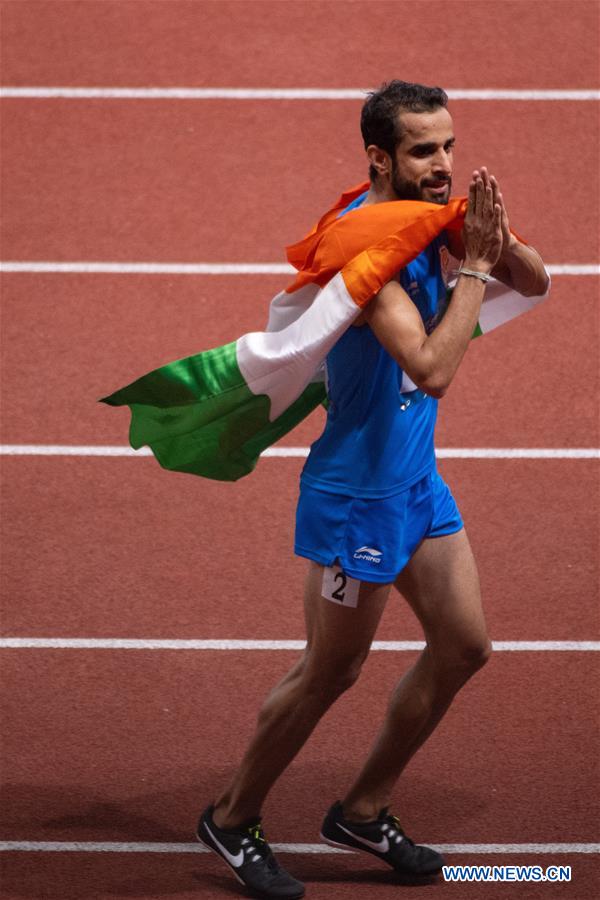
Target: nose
442, 163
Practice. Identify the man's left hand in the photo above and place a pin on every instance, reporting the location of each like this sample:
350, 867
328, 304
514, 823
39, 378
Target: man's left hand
520, 266
508, 239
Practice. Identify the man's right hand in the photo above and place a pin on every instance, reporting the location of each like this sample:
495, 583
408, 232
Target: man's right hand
482, 229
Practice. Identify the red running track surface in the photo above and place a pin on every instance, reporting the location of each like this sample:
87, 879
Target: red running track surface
234, 181
532, 383
103, 876
120, 548
316, 44
120, 745
522, 772
166, 708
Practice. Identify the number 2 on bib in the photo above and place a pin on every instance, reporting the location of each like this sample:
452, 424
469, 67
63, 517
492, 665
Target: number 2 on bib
338, 594
339, 587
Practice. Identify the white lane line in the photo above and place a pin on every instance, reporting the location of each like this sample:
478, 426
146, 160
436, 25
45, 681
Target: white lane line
148, 847
143, 268
209, 93
441, 452
31, 643
151, 268
568, 269
518, 453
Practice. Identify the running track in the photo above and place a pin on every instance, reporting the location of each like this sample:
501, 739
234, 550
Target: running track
114, 747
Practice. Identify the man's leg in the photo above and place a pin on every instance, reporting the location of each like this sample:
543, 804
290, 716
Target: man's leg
338, 641
441, 585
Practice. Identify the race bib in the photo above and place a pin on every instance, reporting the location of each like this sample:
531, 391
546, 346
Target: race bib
339, 588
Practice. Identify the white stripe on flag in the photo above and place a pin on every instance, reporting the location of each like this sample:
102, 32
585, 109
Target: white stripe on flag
501, 304
280, 364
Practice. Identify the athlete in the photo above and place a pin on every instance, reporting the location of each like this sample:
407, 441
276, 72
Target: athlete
373, 511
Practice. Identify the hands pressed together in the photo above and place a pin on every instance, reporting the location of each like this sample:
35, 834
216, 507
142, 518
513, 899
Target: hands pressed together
486, 233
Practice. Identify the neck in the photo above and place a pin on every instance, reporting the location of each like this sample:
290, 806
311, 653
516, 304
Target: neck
380, 191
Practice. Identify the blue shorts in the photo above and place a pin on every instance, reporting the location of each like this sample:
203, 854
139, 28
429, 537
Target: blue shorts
372, 540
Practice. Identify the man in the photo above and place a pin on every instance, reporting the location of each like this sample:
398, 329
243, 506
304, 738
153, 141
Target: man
373, 511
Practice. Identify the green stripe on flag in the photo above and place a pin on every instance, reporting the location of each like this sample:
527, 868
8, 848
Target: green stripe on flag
199, 416
478, 332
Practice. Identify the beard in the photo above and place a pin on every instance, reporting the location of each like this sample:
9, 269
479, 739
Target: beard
408, 190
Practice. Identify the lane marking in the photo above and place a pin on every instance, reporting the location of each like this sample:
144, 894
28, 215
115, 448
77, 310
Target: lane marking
518, 453
151, 268
155, 847
60, 643
143, 268
441, 452
568, 269
206, 93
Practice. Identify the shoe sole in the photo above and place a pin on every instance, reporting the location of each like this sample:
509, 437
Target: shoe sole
252, 891
404, 872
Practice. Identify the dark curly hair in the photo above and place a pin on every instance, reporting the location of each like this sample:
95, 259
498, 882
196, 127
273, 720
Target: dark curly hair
379, 122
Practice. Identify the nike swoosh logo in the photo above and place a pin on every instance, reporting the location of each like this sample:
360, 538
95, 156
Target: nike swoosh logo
381, 846
235, 861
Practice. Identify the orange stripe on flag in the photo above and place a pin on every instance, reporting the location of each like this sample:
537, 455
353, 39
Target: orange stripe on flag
366, 273
400, 228
299, 254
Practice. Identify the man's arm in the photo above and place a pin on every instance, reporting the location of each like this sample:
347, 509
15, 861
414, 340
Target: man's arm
521, 267
431, 360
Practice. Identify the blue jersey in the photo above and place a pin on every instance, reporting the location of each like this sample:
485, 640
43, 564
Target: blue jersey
378, 439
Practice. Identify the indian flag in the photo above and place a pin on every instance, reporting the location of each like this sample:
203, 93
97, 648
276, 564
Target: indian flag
212, 414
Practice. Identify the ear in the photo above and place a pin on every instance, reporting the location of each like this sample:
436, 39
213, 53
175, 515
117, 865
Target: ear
379, 159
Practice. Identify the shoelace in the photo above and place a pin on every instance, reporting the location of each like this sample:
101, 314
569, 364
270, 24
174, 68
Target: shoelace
256, 833
394, 822
258, 848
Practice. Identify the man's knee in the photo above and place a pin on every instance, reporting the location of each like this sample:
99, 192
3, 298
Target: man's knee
332, 675
465, 658
473, 655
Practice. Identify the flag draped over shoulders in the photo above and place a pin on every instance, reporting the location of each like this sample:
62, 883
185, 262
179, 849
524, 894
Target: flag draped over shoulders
212, 414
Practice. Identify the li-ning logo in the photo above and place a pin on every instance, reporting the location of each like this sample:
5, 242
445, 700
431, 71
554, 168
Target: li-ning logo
368, 553
445, 263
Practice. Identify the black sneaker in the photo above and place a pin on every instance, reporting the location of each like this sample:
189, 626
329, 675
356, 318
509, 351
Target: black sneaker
383, 838
248, 855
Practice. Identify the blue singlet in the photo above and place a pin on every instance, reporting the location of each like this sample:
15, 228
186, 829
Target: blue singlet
378, 439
